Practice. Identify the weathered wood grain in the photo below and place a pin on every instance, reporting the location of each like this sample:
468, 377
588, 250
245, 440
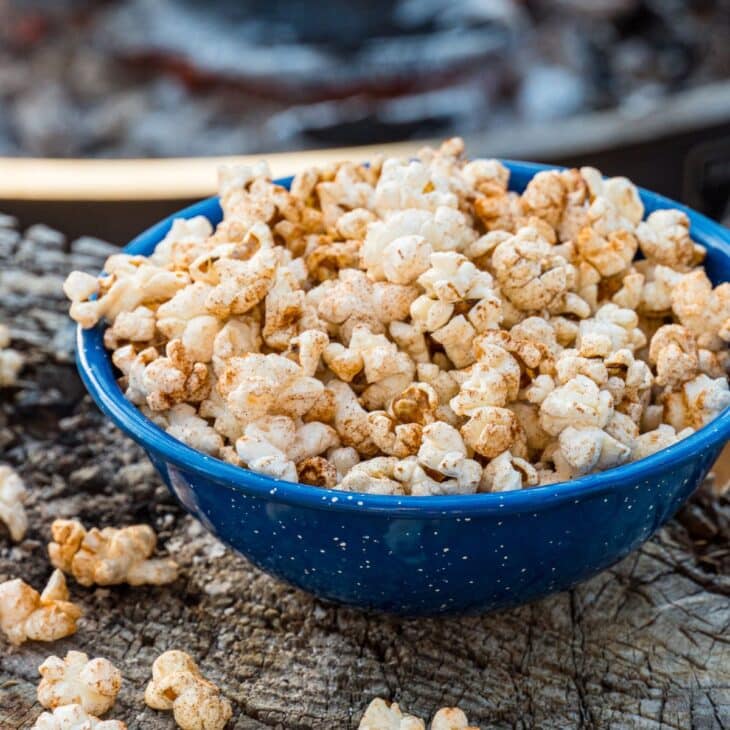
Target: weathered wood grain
644, 645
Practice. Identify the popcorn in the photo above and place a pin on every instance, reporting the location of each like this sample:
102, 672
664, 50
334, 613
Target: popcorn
184, 242
131, 281
74, 717
183, 423
664, 239
660, 438
379, 475
616, 193
410, 184
587, 449
704, 311
11, 361
529, 273
162, 382
379, 715
443, 451
697, 402
491, 430
580, 403
273, 445
109, 556
451, 718
255, 385
673, 351
12, 496
456, 338
452, 278
26, 614
336, 333
611, 328
93, 684
178, 685
506, 472
354, 300
492, 381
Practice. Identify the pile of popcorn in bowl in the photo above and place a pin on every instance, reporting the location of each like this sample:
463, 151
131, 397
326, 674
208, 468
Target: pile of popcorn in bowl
413, 327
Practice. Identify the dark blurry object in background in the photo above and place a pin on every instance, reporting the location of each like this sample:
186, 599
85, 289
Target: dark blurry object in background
108, 78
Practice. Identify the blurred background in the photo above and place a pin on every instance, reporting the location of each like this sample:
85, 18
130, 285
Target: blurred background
637, 87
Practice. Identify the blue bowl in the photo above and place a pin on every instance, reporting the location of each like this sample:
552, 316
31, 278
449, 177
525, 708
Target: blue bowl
422, 555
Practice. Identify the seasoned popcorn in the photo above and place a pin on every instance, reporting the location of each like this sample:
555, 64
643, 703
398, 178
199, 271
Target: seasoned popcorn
74, 717
75, 680
12, 496
27, 615
379, 715
178, 685
11, 361
416, 328
109, 556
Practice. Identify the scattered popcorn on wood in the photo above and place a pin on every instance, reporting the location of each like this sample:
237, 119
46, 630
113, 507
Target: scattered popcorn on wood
76, 680
26, 615
178, 685
108, 556
335, 333
12, 496
379, 715
11, 361
74, 717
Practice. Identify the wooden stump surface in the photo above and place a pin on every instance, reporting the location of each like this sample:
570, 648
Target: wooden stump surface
644, 645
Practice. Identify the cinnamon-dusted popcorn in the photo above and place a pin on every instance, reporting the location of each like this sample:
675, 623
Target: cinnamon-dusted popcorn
109, 556
184, 424
660, 438
178, 685
443, 451
74, 717
325, 334
530, 274
131, 281
26, 614
506, 472
275, 444
704, 311
12, 496
379, 715
583, 450
664, 239
75, 680
255, 385
580, 403
697, 402
673, 351
11, 361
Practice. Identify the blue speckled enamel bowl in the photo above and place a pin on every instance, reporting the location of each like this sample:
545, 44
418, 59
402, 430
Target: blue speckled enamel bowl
422, 555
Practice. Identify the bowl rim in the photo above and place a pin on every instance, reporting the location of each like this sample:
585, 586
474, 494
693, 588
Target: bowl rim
95, 368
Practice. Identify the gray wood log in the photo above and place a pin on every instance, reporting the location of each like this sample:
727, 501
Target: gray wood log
644, 645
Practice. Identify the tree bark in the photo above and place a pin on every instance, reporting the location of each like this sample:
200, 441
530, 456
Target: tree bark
644, 645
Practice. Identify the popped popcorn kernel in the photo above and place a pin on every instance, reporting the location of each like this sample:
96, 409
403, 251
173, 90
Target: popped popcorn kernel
75, 680
12, 497
74, 717
379, 715
178, 685
27, 615
11, 361
108, 556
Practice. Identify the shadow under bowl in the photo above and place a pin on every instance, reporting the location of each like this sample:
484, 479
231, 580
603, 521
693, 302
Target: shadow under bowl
422, 555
